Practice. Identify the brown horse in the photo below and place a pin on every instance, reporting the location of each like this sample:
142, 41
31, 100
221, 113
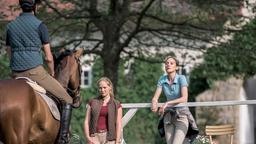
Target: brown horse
24, 116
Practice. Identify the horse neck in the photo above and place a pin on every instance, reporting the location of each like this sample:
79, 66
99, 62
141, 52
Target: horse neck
63, 74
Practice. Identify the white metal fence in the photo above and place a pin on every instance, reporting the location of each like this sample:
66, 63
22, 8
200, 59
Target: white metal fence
134, 107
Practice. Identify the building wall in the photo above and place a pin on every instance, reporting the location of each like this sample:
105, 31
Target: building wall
221, 91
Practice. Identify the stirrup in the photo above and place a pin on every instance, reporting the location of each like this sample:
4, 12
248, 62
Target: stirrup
77, 101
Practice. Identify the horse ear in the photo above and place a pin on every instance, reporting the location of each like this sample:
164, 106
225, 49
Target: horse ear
79, 52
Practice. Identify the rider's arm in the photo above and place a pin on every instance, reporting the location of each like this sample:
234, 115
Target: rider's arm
44, 36
49, 58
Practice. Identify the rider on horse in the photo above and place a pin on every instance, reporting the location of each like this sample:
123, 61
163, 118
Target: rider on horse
25, 36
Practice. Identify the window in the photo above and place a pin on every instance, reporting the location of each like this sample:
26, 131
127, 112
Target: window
86, 77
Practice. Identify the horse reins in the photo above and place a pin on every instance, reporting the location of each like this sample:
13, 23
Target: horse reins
76, 92
72, 92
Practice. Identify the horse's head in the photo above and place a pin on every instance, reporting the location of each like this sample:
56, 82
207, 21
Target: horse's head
68, 71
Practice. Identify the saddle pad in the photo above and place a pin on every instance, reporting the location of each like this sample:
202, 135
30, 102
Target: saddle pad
52, 106
34, 85
42, 92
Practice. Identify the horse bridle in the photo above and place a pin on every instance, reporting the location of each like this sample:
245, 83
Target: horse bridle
75, 93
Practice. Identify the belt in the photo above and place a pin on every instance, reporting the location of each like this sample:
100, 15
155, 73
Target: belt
102, 131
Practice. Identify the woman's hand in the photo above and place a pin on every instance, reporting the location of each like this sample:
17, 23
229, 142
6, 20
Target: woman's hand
154, 106
90, 141
162, 108
52, 74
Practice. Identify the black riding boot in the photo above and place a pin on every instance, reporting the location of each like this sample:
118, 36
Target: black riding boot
65, 121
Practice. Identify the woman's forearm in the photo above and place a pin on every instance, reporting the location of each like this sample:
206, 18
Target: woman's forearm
155, 98
119, 125
182, 99
157, 95
86, 123
118, 133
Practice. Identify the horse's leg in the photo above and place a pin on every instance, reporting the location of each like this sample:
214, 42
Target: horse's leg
16, 111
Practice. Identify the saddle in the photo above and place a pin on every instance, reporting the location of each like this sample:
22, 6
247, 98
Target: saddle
42, 92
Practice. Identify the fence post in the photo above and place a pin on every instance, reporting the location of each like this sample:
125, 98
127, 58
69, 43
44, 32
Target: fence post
127, 117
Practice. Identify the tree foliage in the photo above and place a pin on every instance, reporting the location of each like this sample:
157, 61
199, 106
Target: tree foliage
4, 67
115, 29
234, 58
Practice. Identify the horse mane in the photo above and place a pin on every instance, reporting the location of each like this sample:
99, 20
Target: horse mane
59, 56
59, 61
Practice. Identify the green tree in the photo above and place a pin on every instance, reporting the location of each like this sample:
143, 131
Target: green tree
4, 67
140, 86
234, 58
133, 27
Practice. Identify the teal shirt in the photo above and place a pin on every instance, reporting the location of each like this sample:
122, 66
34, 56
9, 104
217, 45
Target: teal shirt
172, 91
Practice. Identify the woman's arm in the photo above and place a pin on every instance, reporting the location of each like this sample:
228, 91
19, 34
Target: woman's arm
86, 125
182, 99
119, 125
155, 99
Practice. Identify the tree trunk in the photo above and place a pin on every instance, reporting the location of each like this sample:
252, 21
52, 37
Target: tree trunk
111, 51
111, 58
111, 64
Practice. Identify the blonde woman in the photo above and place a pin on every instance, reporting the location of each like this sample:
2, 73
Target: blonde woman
103, 121
176, 120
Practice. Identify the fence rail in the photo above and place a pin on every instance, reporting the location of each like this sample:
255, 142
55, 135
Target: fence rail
194, 104
134, 107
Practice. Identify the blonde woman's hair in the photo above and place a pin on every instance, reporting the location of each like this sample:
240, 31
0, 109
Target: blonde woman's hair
109, 83
172, 57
